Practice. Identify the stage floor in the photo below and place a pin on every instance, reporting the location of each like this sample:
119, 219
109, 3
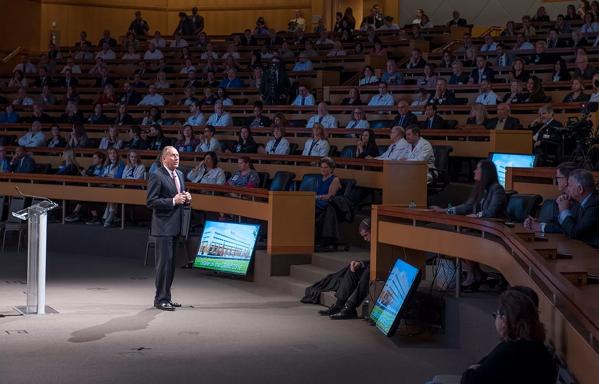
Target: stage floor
228, 331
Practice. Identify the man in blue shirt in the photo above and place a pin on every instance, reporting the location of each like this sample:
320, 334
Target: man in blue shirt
303, 64
384, 98
392, 76
231, 81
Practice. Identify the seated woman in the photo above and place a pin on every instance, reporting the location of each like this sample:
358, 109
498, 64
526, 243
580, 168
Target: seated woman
478, 115
518, 72
246, 143
366, 145
113, 168
152, 116
317, 145
111, 140
98, 116
534, 91
78, 137
577, 94
521, 355
353, 98
429, 78
156, 139
122, 117
56, 140
94, 170
186, 141
245, 176
207, 172
108, 97
515, 95
327, 185
134, 168
280, 121
358, 120
69, 165
223, 96
487, 200
278, 145
368, 76
560, 71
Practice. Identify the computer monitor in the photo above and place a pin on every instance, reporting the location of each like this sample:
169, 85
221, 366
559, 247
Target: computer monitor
400, 285
514, 160
227, 247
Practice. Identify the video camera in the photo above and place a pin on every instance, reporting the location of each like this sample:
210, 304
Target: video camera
581, 128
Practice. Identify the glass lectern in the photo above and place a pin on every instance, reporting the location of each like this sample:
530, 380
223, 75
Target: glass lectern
37, 218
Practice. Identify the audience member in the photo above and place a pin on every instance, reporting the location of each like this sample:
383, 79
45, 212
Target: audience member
577, 94
322, 117
478, 115
582, 221
486, 95
432, 120
304, 97
152, 98
207, 171
317, 145
503, 120
383, 98
546, 135
197, 117
156, 139
22, 162
56, 140
9, 116
135, 139
69, 165
368, 76
366, 146
358, 120
278, 145
186, 141
245, 176
220, 118
442, 95
416, 60
353, 97
111, 140
34, 138
78, 137
259, 120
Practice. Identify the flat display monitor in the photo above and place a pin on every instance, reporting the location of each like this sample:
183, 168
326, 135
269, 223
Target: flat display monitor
227, 247
514, 160
400, 285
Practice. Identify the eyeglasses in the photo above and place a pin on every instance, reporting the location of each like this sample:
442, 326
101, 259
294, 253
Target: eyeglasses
496, 314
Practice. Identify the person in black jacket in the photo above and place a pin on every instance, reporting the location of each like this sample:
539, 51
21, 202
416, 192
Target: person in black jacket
580, 222
139, 26
404, 116
482, 71
432, 119
185, 26
366, 145
487, 200
550, 223
521, 356
442, 95
259, 120
350, 285
246, 143
547, 136
503, 119
275, 85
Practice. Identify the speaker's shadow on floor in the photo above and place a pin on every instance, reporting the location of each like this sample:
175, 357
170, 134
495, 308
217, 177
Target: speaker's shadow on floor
135, 322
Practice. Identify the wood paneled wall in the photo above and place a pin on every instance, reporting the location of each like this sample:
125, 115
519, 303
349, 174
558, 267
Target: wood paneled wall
20, 24
222, 17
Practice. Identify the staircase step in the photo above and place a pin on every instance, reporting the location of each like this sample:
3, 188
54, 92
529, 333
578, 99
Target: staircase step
335, 261
289, 285
309, 273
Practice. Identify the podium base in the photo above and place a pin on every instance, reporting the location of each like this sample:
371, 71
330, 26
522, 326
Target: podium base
9, 312
24, 310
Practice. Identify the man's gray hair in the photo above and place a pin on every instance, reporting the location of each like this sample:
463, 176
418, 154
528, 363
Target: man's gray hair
584, 178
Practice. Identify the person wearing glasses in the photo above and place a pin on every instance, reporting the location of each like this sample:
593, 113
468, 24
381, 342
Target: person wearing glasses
383, 98
358, 120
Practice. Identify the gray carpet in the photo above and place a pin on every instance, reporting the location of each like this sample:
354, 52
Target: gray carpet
228, 331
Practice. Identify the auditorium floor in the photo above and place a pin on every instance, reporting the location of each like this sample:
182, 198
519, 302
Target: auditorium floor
228, 331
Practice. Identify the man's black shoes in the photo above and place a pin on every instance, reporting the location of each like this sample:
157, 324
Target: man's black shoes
333, 309
174, 304
165, 306
345, 314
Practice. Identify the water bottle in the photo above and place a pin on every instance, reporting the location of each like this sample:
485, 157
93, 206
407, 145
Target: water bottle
412, 204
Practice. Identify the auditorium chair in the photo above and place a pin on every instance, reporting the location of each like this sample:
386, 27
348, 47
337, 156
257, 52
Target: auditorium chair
333, 151
308, 182
263, 179
2, 222
227, 144
301, 123
42, 168
451, 124
520, 206
374, 124
293, 148
546, 211
440, 172
281, 181
348, 152
13, 224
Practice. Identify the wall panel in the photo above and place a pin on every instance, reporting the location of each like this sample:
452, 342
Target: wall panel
20, 24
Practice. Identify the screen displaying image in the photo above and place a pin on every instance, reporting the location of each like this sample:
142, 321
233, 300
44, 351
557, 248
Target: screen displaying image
402, 279
504, 160
227, 247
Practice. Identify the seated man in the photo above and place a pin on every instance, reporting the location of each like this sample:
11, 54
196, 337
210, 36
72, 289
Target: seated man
399, 146
197, 117
392, 76
351, 285
419, 149
432, 119
503, 119
404, 116
152, 98
33, 138
581, 222
546, 137
551, 225
220, 118
22, 162
304, 97
442, 95
231, 81
303, 63
486, 95
482, 71
259, 119
323, 117
384, 98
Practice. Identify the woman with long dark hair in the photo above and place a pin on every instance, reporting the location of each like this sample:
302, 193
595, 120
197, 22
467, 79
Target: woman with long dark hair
534, 91
487, 201
366, 145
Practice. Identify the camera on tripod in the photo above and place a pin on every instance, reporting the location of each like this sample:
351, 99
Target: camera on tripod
579, 132
581, 128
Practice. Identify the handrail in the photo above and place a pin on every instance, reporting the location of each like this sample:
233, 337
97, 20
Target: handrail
12, 54
562, 290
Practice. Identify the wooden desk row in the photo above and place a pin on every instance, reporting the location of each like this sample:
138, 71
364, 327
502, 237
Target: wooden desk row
568, 307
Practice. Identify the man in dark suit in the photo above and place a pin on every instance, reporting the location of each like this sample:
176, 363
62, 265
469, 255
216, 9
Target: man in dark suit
275, 85
503, 119
546, 136
404, 117
482, 71
441, 95
166, 197
129, 95
582, 222
433, 121
22, 162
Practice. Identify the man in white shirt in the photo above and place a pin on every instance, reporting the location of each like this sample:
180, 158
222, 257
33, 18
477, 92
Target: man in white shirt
152, 98
303, 98
74, 68
33, 138
324, 39
522, 44
384, 98
25, 66
197, 117
486, 95
399, 146
106, 53
179, 41
419, 149
152, 53
209, 53
388, 24
158, 40
220, 118
489, 45
323, 117
303, 64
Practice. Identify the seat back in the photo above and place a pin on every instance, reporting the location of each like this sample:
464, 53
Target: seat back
2, 201
546, 211
523, 205
263, 179
308, 183
227, 144
16, 204
332, 151
301, 123
347, 187
451, 124
281, 181
348, 152
374, 124
293, 148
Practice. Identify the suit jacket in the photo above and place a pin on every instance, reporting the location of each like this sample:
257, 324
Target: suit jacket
510, 123
24, 165
448, 98
547, 132
437, 123
408, 119
167, 218
492, 205
488, 74
584, 224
